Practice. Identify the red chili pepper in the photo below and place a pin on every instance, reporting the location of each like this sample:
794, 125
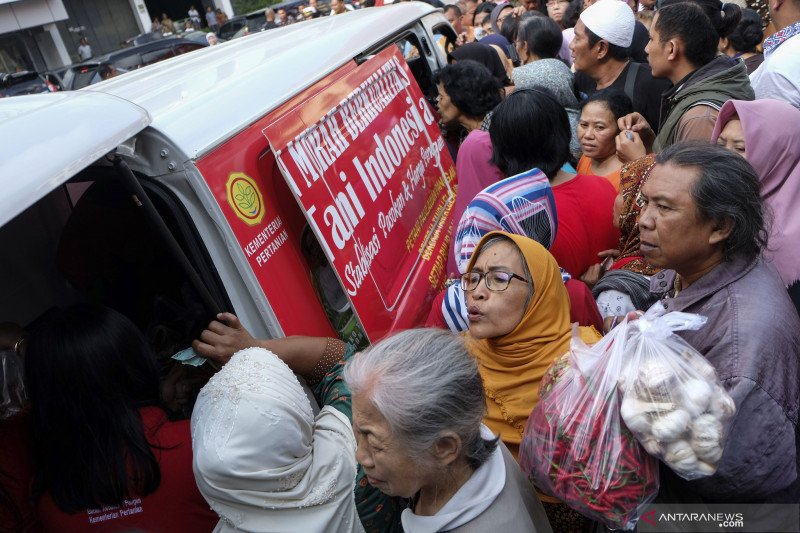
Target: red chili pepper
584, 455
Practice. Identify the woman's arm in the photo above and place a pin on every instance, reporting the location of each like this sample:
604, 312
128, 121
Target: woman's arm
310, 357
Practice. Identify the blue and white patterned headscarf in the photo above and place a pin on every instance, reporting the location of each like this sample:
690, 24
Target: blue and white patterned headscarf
522, 204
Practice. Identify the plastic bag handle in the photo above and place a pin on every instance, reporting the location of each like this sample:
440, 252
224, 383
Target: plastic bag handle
658, 324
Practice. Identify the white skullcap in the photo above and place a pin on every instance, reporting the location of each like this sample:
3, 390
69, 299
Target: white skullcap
611, 20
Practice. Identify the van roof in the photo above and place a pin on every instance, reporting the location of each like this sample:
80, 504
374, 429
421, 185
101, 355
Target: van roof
196, 99
49, 137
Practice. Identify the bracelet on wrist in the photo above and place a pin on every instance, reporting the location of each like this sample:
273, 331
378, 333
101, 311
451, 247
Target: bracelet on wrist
334, 351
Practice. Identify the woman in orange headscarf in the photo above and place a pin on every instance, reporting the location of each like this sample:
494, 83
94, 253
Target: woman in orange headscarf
518, 312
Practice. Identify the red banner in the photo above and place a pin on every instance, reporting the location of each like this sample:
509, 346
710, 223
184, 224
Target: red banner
366, 161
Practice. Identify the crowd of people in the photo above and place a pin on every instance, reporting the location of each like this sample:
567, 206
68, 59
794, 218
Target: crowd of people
609, 155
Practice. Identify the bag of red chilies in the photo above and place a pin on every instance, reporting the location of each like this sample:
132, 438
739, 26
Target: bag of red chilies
575, 446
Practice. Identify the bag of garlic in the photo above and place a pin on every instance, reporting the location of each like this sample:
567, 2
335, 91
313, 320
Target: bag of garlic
575, 446
672, 400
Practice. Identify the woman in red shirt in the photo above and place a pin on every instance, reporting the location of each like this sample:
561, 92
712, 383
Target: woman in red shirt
529, 130
106, 456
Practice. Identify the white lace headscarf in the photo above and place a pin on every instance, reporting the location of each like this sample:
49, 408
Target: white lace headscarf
262, 460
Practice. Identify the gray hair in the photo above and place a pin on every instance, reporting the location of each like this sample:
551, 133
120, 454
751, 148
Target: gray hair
424, 382
727, 187
525, 270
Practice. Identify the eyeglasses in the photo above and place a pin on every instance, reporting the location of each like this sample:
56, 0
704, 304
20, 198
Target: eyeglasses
495, 280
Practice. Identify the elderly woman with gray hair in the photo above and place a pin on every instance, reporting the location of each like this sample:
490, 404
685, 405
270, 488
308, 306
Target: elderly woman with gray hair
418, 402
417, 406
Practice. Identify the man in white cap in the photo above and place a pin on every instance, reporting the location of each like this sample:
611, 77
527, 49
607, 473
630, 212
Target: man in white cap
640, 35
601, 57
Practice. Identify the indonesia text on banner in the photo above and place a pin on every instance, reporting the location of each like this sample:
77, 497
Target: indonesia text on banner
373, 176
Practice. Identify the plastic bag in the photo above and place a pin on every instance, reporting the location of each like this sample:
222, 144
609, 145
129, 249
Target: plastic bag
12, 387
575, 446
672, 400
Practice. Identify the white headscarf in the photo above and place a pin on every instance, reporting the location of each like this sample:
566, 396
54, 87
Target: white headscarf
611, 20
262, 461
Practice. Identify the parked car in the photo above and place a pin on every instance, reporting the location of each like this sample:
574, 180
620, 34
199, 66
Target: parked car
253, 21
126, 59
233, 25
144, 38
27, 82
196, 36
88, 73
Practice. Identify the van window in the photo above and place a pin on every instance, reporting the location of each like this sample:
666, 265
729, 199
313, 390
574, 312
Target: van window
88, 241
314, 265
414, 54
445, 38
334, 301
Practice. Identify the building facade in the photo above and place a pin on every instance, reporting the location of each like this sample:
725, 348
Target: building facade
44, 35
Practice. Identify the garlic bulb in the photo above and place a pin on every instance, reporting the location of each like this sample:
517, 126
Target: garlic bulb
708, 451
655, 382
706, 428
701, 365
696, 396
678, 451
707, 438
721, 406
638, 414
634, 415
652, 447
622, 381
670, 426
686, 468
704, 468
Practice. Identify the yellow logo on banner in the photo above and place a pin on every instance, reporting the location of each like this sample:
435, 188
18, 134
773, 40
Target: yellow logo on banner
245, 198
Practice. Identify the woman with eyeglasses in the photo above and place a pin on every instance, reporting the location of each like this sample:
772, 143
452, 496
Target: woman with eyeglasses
556, 9
518, 312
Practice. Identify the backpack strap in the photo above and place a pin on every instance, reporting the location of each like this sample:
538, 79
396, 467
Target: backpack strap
630, 78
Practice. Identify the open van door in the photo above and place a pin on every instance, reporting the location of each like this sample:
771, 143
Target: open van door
92, 134
365, 160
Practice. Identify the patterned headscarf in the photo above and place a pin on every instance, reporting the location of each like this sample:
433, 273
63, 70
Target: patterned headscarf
522, 204
632, 177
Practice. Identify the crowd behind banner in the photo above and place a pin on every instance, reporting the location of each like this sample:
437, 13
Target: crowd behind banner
620, 327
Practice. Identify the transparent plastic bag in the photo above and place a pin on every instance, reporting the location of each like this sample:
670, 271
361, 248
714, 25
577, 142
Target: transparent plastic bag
575, 446
672, 400
12, 387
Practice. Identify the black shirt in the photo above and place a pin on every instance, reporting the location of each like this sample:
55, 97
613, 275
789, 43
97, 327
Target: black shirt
647, 91
640, 38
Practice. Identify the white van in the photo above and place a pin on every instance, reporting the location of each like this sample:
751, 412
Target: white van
295, 177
